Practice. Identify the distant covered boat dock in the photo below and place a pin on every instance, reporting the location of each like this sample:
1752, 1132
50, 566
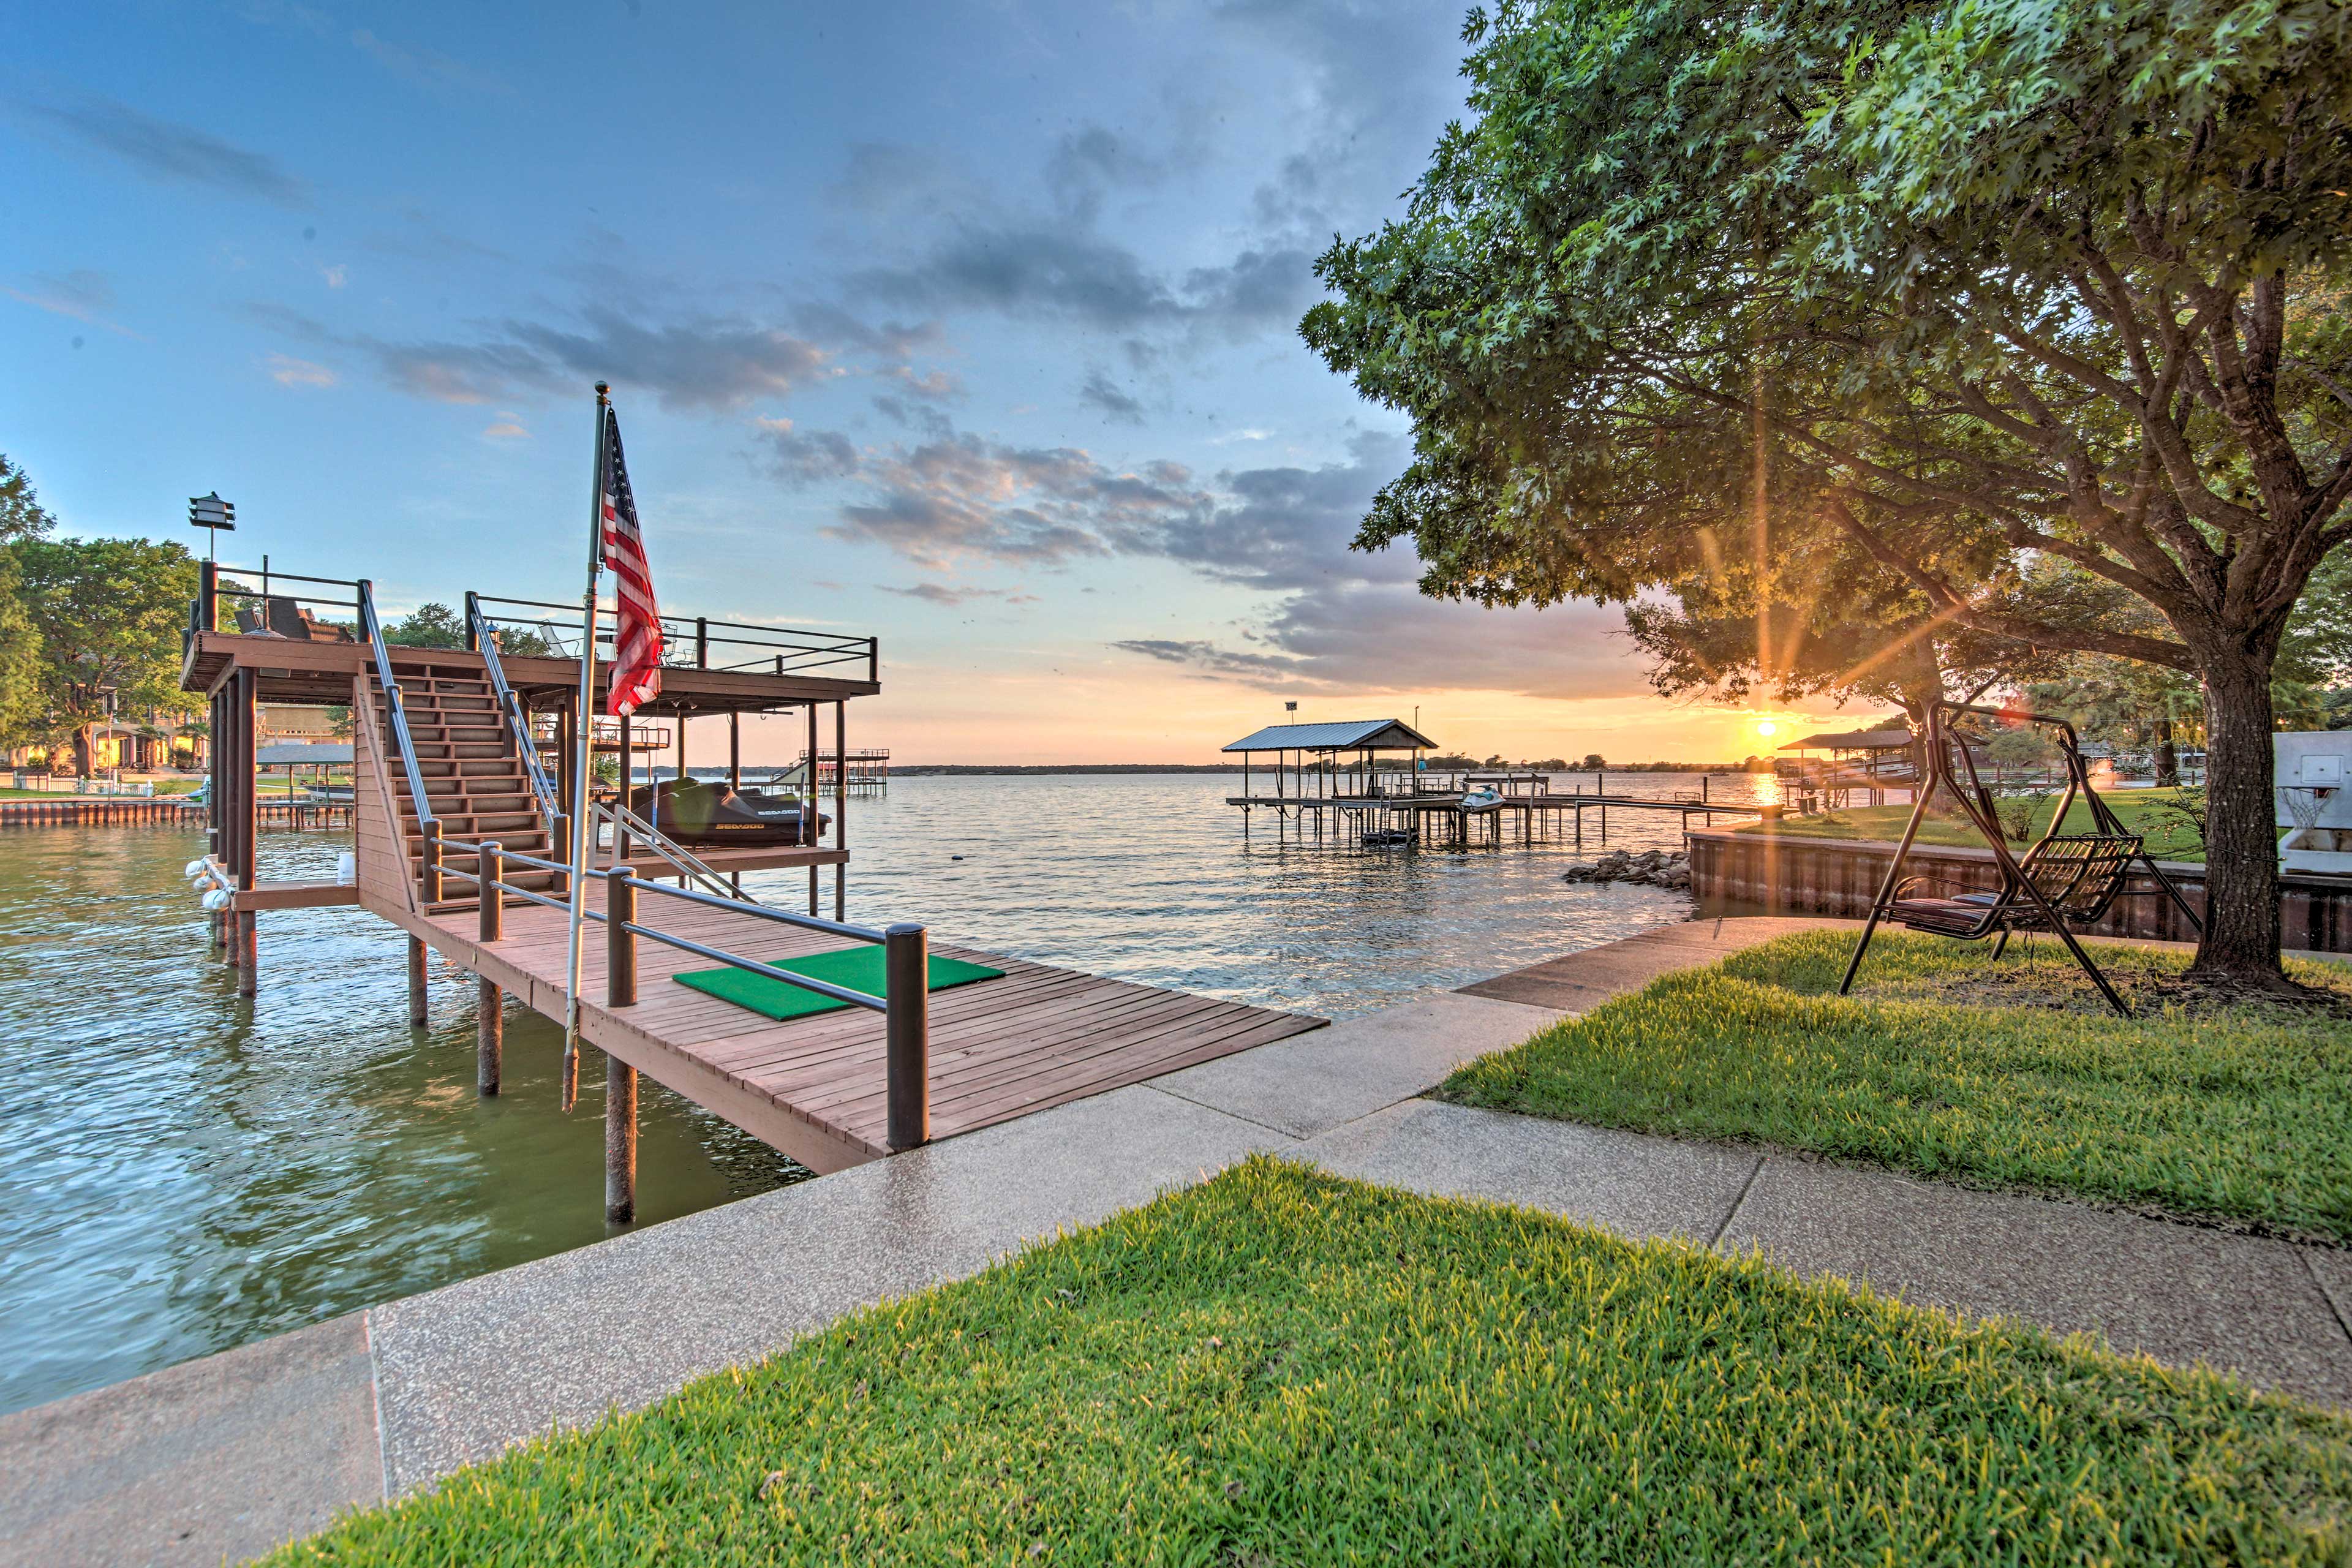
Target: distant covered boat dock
1330, 774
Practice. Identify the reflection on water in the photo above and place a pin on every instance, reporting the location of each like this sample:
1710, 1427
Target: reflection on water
186, 1171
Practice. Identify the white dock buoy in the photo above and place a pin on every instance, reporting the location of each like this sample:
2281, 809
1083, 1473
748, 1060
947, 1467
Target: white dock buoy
218, 899
196, 868
347, 868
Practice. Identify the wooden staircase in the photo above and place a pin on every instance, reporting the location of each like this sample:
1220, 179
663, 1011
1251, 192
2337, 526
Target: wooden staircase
472, 770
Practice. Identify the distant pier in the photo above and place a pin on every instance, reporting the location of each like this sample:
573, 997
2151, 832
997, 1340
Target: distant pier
1329, 775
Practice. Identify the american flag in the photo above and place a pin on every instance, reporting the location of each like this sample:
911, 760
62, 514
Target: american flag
637, 640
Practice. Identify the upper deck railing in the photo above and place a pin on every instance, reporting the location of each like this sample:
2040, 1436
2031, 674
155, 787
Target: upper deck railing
701, 643
326, 609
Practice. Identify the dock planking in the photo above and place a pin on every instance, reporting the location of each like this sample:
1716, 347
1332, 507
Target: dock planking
815, 1087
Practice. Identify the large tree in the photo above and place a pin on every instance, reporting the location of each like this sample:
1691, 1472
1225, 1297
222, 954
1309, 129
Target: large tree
109, 612
22, 517
1963, 286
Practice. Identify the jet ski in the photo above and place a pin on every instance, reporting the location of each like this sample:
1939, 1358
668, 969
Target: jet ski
1482, 799
700, 811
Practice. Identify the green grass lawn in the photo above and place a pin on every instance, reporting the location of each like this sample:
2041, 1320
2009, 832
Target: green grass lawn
1946, 1064
1281, 1367
2141, 811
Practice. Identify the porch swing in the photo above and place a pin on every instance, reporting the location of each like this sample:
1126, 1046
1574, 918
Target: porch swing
2063, 883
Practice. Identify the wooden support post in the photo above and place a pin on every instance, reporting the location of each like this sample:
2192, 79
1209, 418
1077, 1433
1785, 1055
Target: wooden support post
621, 834
906, 988
490, 1038
248, 952
841, 807
620, 1141
489, 1017
621, 944
491, 886
734, 751
416, 984
430, 889
809, 798
559, 848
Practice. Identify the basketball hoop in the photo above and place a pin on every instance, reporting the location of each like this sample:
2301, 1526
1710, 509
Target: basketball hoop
2304, 802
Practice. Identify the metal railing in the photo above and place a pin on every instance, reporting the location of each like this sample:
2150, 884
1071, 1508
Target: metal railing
622, 819
398, 716
278, 608
483, 633
905, 1002
702, 643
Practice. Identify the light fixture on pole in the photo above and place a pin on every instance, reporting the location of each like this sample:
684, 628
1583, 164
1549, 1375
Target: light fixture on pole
213, 514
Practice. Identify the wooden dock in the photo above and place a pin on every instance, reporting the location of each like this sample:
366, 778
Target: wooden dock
815, 1087
451, 795
1442, 818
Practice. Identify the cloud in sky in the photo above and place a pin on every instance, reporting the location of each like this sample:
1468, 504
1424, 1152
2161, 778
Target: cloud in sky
287, 370
1099, 392
710, 364
939, 594
83, 294
165, 150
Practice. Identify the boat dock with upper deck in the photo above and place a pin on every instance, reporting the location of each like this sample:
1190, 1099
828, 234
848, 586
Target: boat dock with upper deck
464, 840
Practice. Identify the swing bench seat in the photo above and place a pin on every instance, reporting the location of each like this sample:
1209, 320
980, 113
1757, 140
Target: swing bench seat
2078, 875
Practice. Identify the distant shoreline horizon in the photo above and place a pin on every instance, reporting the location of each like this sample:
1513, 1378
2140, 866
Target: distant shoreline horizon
920, 770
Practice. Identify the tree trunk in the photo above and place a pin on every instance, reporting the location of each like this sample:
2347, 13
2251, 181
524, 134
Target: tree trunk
2168, 756
85, 751
2241, 897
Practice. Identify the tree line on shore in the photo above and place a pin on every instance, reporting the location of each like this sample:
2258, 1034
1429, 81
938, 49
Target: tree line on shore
90, 631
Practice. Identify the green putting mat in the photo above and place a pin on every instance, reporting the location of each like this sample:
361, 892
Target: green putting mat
853, 968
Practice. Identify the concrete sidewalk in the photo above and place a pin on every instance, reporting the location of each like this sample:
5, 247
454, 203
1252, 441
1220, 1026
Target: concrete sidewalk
222, 1458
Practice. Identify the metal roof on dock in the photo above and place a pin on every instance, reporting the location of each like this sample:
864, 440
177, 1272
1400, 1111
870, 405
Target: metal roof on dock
1340, 735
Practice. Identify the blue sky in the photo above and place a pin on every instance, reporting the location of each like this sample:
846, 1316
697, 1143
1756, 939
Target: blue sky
972, 326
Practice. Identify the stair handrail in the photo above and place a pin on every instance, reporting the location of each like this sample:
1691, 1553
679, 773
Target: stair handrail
399, 714
483, 632
688, 864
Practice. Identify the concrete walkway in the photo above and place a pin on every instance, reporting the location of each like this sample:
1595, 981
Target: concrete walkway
222, 1458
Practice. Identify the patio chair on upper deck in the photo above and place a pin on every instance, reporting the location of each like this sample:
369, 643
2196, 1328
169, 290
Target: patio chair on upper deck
2064, 883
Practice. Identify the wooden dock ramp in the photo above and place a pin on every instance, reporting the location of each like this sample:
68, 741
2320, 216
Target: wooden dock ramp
815, 1087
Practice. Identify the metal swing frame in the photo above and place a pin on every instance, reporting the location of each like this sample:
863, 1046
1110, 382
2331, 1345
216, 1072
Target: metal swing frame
2084, 873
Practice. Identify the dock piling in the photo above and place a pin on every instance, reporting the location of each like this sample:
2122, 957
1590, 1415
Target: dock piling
490, 1016
416, 984
431, 890
249, 949
620, 1141
621, 944
906, 991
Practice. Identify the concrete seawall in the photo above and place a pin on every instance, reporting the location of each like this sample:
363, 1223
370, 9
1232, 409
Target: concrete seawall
1776, 873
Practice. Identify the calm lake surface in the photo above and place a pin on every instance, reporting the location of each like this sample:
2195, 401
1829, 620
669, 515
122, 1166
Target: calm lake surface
185, 1171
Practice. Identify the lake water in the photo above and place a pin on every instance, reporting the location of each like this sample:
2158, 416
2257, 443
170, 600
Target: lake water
185, 1171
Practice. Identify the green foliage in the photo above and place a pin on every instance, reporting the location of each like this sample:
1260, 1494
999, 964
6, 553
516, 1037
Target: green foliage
1947, 1065
22, 517
108, 613
432, 626
1880, 298
1279, 1366
522, 642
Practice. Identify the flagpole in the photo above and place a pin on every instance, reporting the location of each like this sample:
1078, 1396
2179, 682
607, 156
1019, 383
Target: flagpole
583, 829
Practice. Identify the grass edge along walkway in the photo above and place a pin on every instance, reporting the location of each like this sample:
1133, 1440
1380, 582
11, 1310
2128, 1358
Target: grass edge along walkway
1280, 1365
2242, 1115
